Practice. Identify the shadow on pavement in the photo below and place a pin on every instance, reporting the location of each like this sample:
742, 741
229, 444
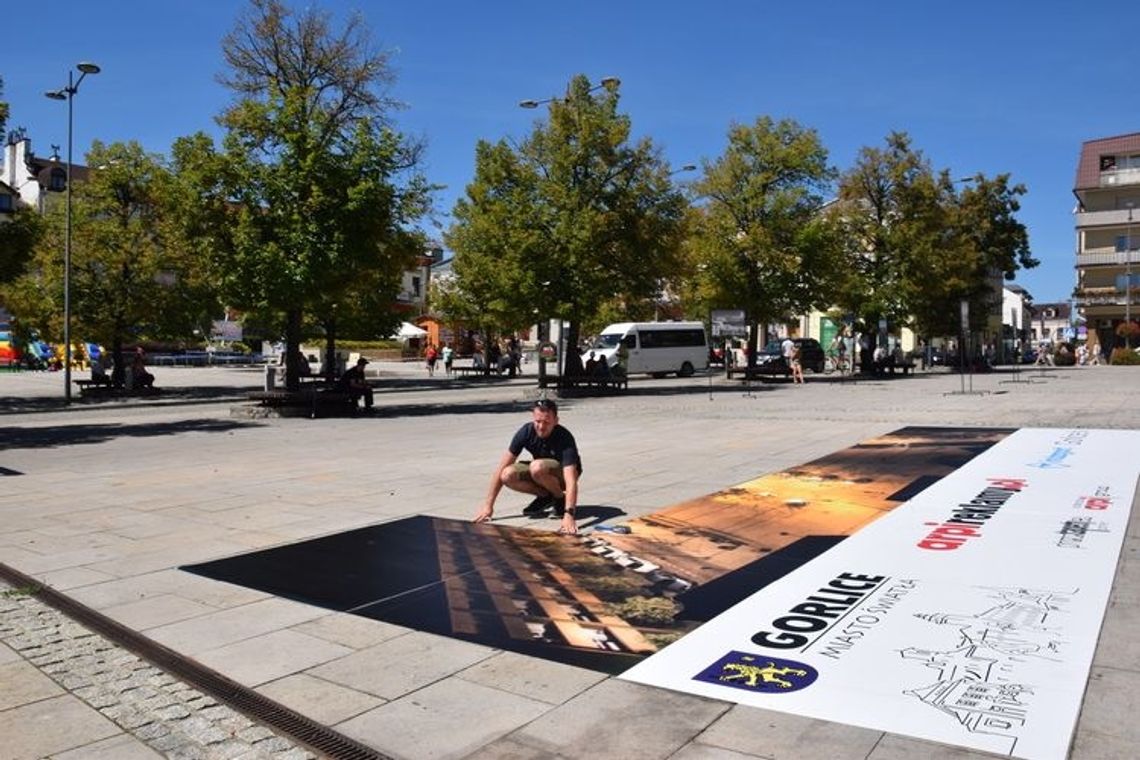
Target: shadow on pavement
49, 437
165, 397
473, 407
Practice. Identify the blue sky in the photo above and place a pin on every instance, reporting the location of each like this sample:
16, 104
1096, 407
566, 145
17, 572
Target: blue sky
1002, 86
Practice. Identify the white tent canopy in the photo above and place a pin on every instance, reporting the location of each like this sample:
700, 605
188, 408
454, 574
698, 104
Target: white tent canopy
408, 330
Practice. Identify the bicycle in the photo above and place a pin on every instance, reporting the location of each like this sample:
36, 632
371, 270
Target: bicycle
836, 362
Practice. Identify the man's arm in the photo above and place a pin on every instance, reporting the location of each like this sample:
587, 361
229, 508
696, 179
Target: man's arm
496, 485
570, 475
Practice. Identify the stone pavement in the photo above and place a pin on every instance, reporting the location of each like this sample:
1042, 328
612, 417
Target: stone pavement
104, 501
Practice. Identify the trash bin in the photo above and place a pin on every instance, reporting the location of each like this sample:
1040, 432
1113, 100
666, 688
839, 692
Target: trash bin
270, 377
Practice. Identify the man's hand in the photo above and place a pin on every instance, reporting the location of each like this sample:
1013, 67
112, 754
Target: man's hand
569, 525
484, 514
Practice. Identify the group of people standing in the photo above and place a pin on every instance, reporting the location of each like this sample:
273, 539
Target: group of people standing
505, 357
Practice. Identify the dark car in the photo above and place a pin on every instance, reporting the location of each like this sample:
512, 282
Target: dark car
771, 361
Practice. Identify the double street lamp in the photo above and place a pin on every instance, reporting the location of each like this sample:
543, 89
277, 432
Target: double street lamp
608, 83
68, 94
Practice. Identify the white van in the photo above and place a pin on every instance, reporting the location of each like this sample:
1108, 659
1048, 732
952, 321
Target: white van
655, 348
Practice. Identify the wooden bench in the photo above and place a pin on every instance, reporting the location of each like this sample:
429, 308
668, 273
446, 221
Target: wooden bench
611, 384
88, 386
105, 389
889, 367
751, 373
314, 400
470, 371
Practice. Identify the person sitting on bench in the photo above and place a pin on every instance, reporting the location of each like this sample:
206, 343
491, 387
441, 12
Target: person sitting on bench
353, 383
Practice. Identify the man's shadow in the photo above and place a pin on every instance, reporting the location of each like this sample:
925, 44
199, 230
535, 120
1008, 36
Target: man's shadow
590, 515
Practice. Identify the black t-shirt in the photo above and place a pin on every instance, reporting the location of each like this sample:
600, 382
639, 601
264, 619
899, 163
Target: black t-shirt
559, 445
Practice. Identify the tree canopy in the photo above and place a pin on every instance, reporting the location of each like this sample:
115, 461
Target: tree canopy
576, 216
917, 245
18, 235
759, 240
312, 192
130, 276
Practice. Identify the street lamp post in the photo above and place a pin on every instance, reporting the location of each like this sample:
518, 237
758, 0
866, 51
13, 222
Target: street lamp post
611, 84
608, 83
68, 94
1128, 279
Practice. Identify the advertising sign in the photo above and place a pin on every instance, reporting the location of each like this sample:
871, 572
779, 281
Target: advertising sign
729, 323
969, 615
222, 329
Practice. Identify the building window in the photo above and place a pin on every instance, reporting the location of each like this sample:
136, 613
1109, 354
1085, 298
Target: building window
5, 203
1122, 281
1107, 163
58, 181
416, 286
1124, 244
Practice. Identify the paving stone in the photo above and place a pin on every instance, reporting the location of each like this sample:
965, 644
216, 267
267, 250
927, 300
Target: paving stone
133, 694
21, 683
780, 735
438, 722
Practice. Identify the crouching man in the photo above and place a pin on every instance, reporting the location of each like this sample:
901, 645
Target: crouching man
551, 476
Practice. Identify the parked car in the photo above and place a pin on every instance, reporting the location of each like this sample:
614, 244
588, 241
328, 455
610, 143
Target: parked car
770, 361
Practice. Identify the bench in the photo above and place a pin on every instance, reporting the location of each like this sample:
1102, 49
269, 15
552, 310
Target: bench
610, 384
93, 386
889, 367
470, 371
759, 371
105, 389
313, 399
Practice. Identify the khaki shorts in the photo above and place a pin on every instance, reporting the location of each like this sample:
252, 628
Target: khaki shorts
521, 470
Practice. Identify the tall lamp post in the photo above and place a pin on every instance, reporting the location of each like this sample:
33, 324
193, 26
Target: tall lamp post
1128, 279
608, 83
68, 94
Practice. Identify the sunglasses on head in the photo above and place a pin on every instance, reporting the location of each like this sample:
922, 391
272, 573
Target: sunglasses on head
546, 405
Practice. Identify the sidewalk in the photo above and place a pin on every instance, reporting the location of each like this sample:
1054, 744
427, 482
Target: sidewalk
105, 501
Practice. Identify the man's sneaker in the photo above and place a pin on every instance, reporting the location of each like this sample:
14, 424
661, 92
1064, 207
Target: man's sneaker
559, 505
539, 505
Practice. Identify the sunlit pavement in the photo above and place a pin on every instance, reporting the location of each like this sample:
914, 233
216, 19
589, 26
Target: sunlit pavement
105, 500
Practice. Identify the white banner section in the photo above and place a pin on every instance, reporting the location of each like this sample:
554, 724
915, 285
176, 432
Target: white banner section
967, 616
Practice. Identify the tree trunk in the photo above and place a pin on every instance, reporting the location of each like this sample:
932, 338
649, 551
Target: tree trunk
754, 328
330, 349
572, 361
293, 350
118, 370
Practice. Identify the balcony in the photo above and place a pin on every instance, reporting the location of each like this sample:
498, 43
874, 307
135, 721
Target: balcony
1107, 258
1118, 177
1111, 218
1103, 296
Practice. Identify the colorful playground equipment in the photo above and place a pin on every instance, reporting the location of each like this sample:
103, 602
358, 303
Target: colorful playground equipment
9, 354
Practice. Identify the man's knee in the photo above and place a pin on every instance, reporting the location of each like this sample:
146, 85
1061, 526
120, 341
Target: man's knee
546, 472
511, 477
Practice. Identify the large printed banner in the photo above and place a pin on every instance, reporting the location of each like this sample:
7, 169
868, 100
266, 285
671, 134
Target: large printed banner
969, 615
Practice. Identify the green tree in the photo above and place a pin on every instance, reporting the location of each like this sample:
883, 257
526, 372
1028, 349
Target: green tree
759, 240
130, 279
891, 213
917, 245
574, 217
312, 192
19, 233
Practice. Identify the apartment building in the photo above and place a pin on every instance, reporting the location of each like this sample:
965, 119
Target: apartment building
1107, 188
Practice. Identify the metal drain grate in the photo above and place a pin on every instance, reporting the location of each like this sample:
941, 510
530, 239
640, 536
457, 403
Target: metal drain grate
301, 729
